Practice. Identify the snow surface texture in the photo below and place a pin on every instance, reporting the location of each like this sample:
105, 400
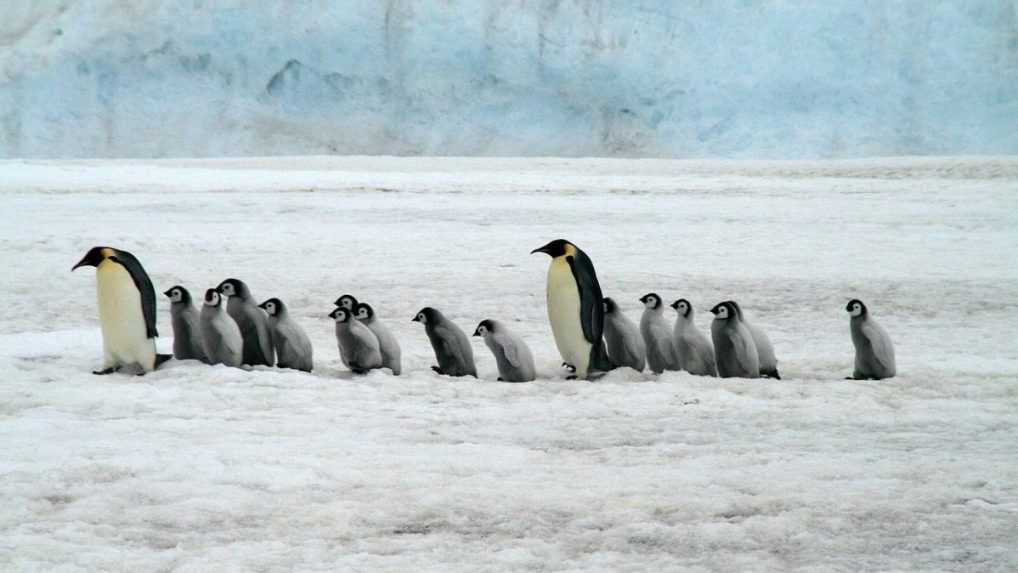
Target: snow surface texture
754, 79
199, 468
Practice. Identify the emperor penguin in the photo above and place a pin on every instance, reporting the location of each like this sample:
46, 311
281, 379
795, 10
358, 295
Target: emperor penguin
253, 322
733, 344
576, 309
451, 345
512, 355
387, 343
874, 353
127, 310
764, 348
657, 334
695, 351
358, 346
187, 343
220, 334
347, 301
625, 343
291, 343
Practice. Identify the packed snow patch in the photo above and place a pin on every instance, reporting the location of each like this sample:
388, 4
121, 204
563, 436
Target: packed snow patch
195, 467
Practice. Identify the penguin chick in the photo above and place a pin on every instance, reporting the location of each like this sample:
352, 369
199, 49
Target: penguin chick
220, 334
657, 335
625, 343
127, 310
253, 323
291, 343
874, 353
451, 346
764, 348
358, 346
512, 355
695, 351
347, 301
387, 343
187, 342
733, 344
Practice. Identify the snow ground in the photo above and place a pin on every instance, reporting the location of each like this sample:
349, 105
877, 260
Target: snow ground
197, 468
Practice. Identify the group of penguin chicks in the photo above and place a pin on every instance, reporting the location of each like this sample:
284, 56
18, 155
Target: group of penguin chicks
736, 349
231, 329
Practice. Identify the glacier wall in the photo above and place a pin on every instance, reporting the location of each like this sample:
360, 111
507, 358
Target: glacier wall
692, 78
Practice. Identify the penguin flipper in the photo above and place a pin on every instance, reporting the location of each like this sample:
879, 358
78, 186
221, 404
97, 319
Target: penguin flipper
145, 289
591, 299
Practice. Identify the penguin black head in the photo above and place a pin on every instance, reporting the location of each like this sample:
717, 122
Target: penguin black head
609, 305
487, 325
651, 300
856, 307
725, 310
363, 311
178, 294
556, 248
273, 306
427, 315
95, 256
340, 314
234, 287
347, 301
213, 297
682, 306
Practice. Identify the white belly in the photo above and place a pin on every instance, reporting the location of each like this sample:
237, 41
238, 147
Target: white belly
564, 315
125, 338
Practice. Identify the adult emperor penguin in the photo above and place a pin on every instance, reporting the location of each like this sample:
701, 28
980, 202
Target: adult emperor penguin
874, 353
451, 345
764, 348
127, 310
625, 343
253, 323
185, 318
291, 343
576, 309
220, 334
733, 343
512, 355
358, 346
657, 334
387, 343
695, 351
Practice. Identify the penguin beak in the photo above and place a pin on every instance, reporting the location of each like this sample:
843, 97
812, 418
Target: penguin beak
477, 332
675, 305
86, 261
167, 293
415, 319
539, 250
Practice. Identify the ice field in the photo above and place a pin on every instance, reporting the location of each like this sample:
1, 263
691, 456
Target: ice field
199, 468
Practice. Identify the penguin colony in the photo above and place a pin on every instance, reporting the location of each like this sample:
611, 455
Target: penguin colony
591, 333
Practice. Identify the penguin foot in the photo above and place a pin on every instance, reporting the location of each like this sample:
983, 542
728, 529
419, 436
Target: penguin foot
106, 371
500, 379
437, 369
569, 367
571, 377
